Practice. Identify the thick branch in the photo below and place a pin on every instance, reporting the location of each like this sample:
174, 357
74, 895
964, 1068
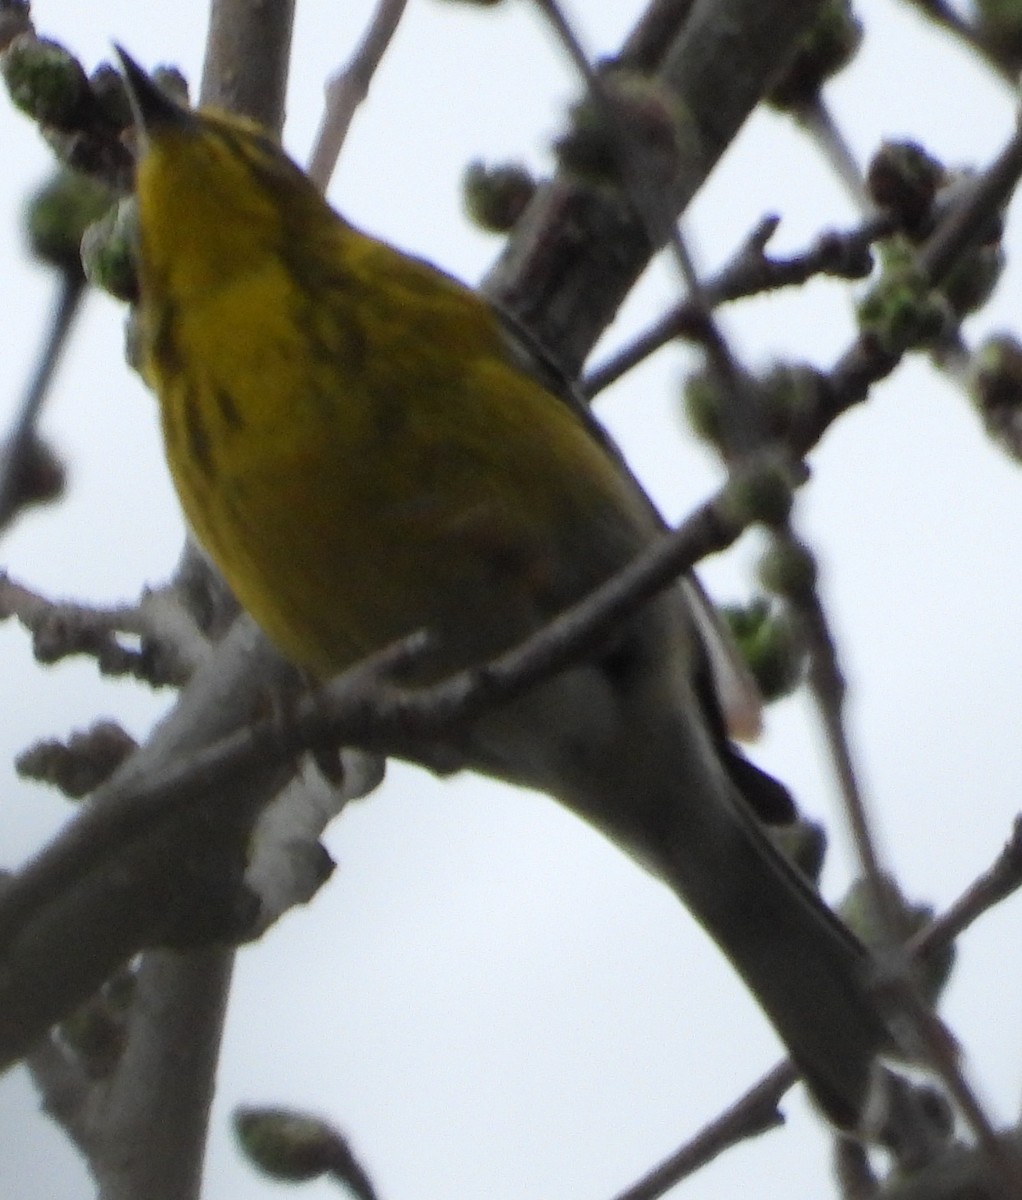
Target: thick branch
137, 864
577, 251
248, 52
173, 1040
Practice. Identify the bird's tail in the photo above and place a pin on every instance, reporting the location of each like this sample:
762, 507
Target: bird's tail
810, 975
624, 743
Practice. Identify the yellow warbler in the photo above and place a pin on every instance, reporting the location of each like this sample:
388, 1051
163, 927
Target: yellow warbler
362, 453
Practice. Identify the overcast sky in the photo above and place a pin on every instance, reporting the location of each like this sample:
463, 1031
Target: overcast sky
487, 997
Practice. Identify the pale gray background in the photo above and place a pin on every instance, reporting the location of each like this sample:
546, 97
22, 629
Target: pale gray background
489, 999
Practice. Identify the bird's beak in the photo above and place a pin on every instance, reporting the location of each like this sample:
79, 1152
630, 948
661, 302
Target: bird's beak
151, 107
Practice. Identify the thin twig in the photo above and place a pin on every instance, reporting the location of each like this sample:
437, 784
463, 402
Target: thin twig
935, 1044
828, 688
171, 644
818, 121
19, 443
966, 222
949, 18
752, 1114
743, 432
75, 877
364, 708
941, 1053
1003, 877
750, 272
349, 87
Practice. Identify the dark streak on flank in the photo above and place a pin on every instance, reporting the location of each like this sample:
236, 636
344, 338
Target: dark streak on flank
228, 410
198, 438
164, 349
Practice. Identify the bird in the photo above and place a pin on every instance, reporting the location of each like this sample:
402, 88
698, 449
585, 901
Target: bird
367, 448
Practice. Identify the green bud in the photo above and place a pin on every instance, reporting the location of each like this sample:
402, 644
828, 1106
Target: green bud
762, 496
769, 644
859, 911
788, 394
496, 196
109, 251
995, 387
971, 281
296, 1147
648, 115
746, 620
703, 400
828, 47
904, 179
286, 1145
58, 215
111, 96
586, 150
46, 81
788, 569
41, 477
902, 311
172, 81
